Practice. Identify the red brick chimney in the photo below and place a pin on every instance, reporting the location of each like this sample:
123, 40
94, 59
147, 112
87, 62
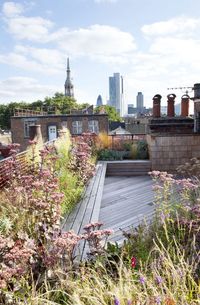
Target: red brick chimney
170, 105
35, 133
185, 105
156, 105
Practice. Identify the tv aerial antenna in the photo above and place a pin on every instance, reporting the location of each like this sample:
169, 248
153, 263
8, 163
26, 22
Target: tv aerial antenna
185, 90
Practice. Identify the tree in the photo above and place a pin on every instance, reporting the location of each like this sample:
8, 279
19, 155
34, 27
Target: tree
59, 104
112, 113
6, 111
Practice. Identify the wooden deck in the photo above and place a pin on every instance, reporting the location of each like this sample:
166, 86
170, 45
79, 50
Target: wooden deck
126, 202
119, 202
88, 209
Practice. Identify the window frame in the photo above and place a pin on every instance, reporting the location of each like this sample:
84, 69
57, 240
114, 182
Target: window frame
27, 123
77, 127
93, 126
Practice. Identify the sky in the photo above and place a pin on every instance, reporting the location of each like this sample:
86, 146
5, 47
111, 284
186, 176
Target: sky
154, 44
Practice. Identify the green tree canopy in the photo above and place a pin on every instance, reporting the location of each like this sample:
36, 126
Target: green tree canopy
112, 113
59, 104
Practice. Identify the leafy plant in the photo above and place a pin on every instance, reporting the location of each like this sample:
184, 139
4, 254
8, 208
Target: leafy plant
142, 150
110, 155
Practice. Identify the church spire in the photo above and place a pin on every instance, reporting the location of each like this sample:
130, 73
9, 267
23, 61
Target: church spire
69, 88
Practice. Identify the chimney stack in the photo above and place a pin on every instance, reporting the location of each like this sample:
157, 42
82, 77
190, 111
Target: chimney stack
170, 105
35, 133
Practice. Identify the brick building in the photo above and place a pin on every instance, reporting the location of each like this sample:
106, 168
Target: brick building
50, 124
172, 140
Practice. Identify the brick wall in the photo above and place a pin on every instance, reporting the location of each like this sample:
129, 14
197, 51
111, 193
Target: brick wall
168, 152
17, 125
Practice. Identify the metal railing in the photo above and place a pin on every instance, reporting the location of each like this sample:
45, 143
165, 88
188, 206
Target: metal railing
114, 142
28, 112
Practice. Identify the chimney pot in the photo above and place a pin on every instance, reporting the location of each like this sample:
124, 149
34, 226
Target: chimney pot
170, 105
185, 105
156, 105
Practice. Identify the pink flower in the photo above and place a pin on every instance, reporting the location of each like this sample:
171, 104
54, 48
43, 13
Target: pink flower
32, 142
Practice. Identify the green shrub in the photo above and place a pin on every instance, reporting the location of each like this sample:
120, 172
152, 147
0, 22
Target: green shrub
127, 146
142, 150
110, 155
134, 151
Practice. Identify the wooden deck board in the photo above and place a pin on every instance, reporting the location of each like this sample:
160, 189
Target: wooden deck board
118, 202
88, 208
126, 202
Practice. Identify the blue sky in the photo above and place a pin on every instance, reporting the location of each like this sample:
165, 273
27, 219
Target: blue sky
153, 44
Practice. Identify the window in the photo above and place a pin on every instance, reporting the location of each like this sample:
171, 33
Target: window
27, 123
93, 126
77, 127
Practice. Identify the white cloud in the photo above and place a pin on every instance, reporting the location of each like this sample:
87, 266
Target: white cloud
44, 61
176, 25
96, 40
11, 9
21, 27
49, 59
30, 28
171, 58
24, 88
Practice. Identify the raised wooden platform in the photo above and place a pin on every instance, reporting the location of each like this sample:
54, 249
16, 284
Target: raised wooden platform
119, 202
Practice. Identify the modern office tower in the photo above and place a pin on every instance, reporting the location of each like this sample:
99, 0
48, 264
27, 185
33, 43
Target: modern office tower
140, 102
99, 100
116, 92
130, 108
69, 87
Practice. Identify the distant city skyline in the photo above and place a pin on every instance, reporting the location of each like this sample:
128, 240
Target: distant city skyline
153, 44
140, 101
116, 92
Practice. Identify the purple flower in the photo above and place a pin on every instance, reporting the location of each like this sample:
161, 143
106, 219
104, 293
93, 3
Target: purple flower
116, 301
129, 302
158, 300
159, 280
142, 280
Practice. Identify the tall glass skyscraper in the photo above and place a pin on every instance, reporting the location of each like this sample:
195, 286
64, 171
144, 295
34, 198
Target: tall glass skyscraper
140, 102
116, 92
99, 101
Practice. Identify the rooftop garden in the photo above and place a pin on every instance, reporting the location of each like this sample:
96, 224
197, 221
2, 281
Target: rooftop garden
158, 263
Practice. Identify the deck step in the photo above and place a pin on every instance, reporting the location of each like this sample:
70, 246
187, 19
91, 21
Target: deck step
128, 168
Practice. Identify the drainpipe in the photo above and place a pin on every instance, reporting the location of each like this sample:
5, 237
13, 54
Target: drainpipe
170, 105
156, 105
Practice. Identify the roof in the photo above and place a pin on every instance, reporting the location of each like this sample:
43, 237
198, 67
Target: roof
58, 115
120, 131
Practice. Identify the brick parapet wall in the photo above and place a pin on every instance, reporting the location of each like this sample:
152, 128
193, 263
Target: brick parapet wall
168, 152
17, 125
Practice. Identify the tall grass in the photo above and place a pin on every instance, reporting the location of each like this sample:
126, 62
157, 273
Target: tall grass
166, 278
